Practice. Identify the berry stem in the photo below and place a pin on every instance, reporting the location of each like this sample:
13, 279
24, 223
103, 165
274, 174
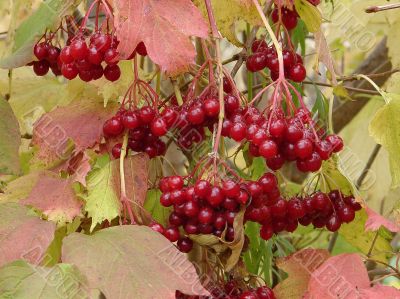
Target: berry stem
214, 29
124, 199
378, 89
83, 25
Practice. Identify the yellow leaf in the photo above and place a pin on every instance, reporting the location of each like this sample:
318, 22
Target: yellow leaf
227, 13
309, 14
385, 129
341, 92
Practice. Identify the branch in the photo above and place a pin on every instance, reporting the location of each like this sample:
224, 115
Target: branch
374, 9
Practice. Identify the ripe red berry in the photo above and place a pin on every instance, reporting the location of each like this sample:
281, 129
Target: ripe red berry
227, 85
101, 41
202, 188
294, 132
172, 233
53, 53
336, 142
268, 182
248, 295
256, 62
141, 49
157, 227
215, 197
266, 232
313, 163
320, 201
333, 224
232, 103
277, 128
259, 45
116, 150
69, 71
185, 244
265, 292
238, 131
191, 209
324, 149
206, 215
158, 127
346, 213
166, 200
97, 71
211, 107
41, 50
130, 120
113, 127
303, 148
111, 56
296, 209
112, 72
146, 114
41, 68
79, 49
175, 182
196, 115
94, 56
66, 56
268, 149
297, 73
230, 188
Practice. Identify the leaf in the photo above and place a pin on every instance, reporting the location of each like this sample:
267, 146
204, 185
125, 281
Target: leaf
355, 234
55, 198
46, 16
80, 124
340, 91
79, 166
385, 129
114, 259
10, 140
153, 206
161, 26
299, 267
20, 280
228, 13
310, 15
23, 236
104, 190
345, 276
329, 279
335, 177
375, 221
324, 54
20, 187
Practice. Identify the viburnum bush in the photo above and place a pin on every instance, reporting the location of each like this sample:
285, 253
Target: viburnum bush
151, 162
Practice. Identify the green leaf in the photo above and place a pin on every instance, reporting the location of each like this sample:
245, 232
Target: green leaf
154, 207
309, 14
20, 280
385, 129
335, 178
354, 233
10, 140
48, 15
125, 261
104, 189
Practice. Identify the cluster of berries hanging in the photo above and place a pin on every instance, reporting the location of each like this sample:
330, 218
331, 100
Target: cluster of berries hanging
48, 58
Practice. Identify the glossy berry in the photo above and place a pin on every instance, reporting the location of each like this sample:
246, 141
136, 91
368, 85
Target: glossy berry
231, 103
112, 72
113, 127
346, 214
69, 71
41, 50
116, 150
268, 149
297, 73
158, 127
41, 68
202, 188
230, 188
94, 56
211, 107
227, 85
256, 62
79, 49
238, 131
196, 115
157, 227
185, 244
172, 233
215, 197
265, 292
333, 224
336, 142
259, 45
248, 295
146, 114
266, 232
130, 120
141, 49
206, 215
111, 56
303, 148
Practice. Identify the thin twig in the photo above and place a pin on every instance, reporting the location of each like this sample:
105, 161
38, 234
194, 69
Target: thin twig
332, 241
370, 161
374, 9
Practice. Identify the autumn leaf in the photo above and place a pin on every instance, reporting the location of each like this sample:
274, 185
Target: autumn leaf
23, 236
310, 15
385, 129
228, 13
120, 254
103, 185
375, 221
55, 198
77, 126
161, 26
324, 55
299, 267
79, 166
10, 140
21, 280
345, 276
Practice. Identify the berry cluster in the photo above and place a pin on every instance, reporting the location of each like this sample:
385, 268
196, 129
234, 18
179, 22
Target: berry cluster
202, 208
85, 59
266, 57
321, 209
48, 58
145, 126
281, 139
232, 291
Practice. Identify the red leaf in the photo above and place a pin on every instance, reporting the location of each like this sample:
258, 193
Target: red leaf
380, 292
299, 267
79, 167
55, 197
80, 122
341, 276
23, 236
375, 221
164, 27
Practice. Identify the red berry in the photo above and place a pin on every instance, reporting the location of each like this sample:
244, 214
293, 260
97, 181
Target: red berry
333, 224
211, 107
220, 221
166, 200
313, 163
130, 120
79, 49
94, 56
185, 244
238, 131
232, 103
230, 188
111, 56
53, 54
113, 127
346, 213
293, 133
248, 295
41, 50
158, 127
276, 162
266, 232
265, 292
202, 188
230, 204
336, 142
69, 71
297, 73
320, 201
227, 85
303, 148
97, 71
288, 58
324, 149
157, 227
116, 150
191, 209
215, 197
101, 41
172, 233
268, 182
146, 114
268, 149
112, 72
259, 45
175, 219
191, 227
175, 182
296, 209
256, 62
41, 68
277, 128
206, 215
279, 209
196, 115
141, 49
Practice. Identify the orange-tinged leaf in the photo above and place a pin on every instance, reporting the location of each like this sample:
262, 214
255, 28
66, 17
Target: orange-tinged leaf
131, 261
55, 198
375, 221
299, 267
324, 55
164, 27
80, 124
23, 236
